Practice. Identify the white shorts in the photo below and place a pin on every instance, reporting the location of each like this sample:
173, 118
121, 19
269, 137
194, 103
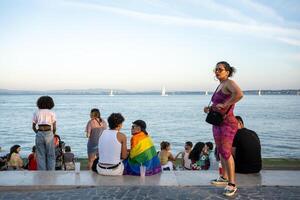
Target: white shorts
111, 172
168, 165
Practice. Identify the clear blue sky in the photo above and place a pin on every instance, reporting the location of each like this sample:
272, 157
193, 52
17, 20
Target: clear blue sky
145, 44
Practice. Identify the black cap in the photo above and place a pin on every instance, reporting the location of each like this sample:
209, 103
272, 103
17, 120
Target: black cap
140, 123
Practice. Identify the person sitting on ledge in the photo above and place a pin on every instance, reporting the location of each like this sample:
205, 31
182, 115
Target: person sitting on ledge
197, 152
166, 158
142, 152
14, 161
68, 159
32, 163
112, 147
246, 150
185, 161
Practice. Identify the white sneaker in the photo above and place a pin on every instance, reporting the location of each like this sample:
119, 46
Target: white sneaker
219, 181
229, 190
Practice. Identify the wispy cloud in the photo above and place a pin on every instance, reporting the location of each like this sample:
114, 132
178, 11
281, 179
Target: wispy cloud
221, 9
262, 9
287, 35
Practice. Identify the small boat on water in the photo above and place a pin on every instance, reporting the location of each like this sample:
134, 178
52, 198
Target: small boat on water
163, 92
259, 92
111, 93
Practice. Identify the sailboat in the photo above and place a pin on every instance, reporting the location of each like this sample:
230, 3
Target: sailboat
111, 93
259, 92
206, 92
163, 92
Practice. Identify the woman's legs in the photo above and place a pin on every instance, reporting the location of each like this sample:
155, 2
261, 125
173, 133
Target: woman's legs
91, 158
224, 170
228, 169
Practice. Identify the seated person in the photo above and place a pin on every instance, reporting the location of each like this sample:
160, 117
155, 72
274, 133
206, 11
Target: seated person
165, 156
32, 164
142, 152
3, 162
206, 158
246, 150
68, 159
14, 160
185, 161
59, 147
199, 150
112, 147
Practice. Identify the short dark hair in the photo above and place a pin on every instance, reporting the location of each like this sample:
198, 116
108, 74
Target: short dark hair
210, 145
227, 67
34, 149
114, 120
239, 118
67, 149
141, 124
189, 143
45, 102
164, 145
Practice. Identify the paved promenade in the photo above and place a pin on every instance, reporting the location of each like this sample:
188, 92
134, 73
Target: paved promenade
168, 185
155, 193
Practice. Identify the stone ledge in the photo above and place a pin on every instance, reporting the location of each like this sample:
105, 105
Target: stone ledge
68, 179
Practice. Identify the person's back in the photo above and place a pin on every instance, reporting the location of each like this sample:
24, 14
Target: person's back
112, 147
32, 163
109, 148
247, 151
164, 157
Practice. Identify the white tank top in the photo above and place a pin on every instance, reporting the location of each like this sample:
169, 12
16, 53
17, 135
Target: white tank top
109, 148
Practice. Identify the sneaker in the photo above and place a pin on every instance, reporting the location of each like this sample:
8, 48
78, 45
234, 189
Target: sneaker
219, 181
229, 190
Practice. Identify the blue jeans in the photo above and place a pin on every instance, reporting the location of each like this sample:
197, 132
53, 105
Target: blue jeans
45, 150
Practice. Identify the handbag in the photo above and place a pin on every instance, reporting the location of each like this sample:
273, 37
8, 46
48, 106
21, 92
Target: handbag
214, 117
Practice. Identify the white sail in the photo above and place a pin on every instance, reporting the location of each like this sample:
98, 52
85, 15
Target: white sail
111, 93
163, 92
206, 93
259, 92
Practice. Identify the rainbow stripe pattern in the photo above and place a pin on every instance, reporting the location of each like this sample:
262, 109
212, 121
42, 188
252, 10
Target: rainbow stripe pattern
142, 153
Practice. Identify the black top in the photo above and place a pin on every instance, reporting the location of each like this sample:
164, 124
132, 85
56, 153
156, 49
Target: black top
248, 151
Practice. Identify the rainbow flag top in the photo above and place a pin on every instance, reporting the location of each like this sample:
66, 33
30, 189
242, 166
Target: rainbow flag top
142, 152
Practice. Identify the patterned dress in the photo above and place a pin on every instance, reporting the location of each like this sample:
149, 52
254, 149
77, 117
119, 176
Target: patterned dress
224, 134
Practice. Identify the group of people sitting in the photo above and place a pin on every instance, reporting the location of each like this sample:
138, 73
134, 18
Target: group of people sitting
115, 159
13, 160
197, 158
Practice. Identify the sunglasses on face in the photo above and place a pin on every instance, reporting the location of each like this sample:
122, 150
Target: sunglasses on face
133, 126
219, 69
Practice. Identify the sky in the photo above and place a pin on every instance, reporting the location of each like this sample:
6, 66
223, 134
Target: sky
143, 45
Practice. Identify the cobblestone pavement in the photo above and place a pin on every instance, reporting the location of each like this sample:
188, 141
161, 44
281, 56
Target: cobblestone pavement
154, 192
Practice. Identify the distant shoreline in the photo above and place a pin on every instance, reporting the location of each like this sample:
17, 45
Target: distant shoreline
105, 92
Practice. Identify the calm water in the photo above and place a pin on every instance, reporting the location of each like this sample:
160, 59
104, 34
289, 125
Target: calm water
176, 119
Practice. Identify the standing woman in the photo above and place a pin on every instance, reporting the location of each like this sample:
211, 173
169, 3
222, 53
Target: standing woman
227, 94
94, 129
44, 125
